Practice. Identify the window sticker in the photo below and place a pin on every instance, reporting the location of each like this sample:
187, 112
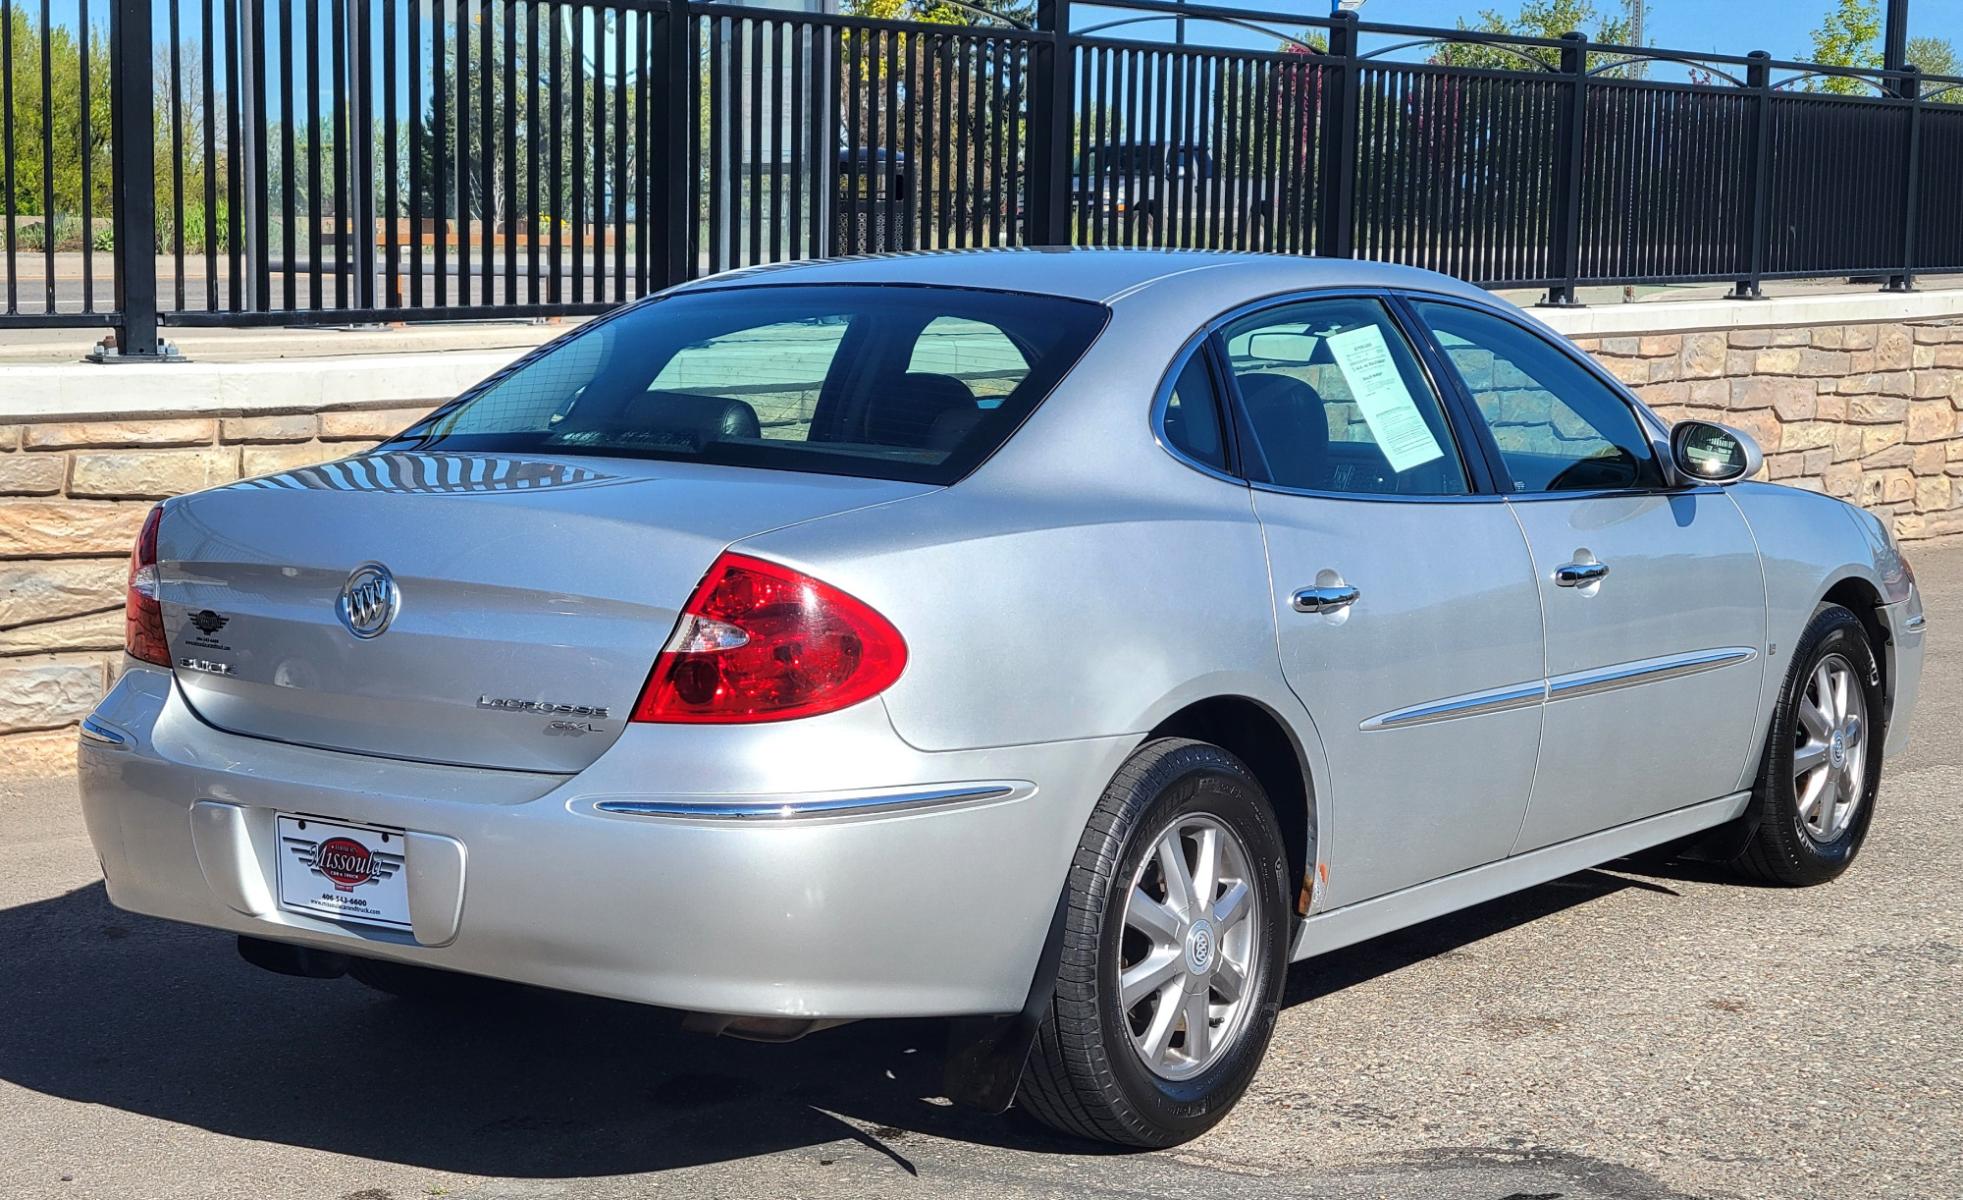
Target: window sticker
1367, 366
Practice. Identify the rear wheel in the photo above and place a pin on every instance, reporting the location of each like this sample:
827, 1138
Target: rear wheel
1174, 953
1816, 786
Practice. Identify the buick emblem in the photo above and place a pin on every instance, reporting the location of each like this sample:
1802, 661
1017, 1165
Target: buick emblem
1199, 948
369, 601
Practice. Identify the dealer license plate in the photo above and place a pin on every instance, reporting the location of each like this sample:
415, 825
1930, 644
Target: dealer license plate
343, 872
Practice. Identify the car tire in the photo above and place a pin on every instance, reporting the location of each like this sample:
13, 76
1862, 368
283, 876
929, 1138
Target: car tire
424, 985
1811, 806
1114, 1073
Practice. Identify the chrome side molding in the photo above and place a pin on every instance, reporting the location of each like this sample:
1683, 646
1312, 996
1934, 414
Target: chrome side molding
805, 808
1561, 687
1524, 695
1649, 670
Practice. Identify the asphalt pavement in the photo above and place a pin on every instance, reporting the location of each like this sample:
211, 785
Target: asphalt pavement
1621, 1033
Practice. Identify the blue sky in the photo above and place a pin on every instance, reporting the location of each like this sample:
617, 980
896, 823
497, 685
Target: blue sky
1722, 26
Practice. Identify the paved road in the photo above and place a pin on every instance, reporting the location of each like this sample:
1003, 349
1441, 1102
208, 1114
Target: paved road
1615, 1034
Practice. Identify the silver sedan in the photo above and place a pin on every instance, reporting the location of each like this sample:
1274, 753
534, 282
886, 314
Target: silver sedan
1062, 642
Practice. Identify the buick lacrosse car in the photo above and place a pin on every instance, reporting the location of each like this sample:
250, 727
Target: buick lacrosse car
1061, 642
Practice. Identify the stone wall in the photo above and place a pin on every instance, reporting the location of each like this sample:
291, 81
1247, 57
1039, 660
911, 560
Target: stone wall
72, 496
1870, 412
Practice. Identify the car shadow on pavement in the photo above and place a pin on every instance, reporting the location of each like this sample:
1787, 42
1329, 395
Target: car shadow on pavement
1452, 933
102, 1007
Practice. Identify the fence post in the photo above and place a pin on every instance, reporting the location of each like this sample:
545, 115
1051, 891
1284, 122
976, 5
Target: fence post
1910, 89
670, 193
1758, 77
1337, 236
1050, 111
359, 225
1567, 178
133, 179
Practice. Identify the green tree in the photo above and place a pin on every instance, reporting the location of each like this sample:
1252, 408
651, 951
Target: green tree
933, 71
1934, 55
39, 160
1848, 37
467, 142
1537, 19
1937, 56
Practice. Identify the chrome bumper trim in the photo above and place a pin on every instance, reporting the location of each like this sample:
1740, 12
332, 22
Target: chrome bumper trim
102, 734
869, 804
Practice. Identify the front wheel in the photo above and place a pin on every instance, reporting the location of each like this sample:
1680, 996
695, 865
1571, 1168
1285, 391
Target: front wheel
1816, 787
1174, 953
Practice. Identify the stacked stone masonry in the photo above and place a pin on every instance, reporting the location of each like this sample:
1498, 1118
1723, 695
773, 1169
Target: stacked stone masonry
72, 496
1870, 412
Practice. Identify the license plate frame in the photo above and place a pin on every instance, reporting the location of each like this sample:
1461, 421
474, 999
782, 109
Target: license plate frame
343, 871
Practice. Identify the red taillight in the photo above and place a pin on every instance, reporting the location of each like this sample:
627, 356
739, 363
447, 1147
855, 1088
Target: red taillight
761, 642
143, 617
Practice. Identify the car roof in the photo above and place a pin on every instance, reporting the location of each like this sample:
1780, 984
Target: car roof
1106, 275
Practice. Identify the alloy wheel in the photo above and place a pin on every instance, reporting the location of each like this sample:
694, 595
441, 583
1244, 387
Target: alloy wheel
1830, 749
1188, 947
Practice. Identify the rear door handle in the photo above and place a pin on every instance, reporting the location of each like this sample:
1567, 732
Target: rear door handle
1579, 574
1325, 599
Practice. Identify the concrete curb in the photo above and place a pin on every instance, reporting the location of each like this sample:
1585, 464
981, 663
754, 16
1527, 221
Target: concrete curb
1692, 316
84, 391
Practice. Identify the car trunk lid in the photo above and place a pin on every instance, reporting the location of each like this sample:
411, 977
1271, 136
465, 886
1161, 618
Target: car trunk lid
530, 595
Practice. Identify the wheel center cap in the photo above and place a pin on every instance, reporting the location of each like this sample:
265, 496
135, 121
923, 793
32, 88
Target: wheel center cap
1200, 948
1837, 748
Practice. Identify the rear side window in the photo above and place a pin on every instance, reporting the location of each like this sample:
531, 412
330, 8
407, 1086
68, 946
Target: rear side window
1335, 401
909, 383
1192, 420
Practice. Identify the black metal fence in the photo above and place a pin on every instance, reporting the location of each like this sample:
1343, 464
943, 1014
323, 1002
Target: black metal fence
236, 162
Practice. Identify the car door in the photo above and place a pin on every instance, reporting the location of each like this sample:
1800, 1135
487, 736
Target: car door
1403, 594
1653, 598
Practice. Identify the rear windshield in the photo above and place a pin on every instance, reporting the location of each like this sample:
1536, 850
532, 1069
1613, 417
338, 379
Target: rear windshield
909, 383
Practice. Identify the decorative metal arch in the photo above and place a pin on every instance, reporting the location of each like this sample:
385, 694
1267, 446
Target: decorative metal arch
1787, 83
990, 13
1681, 59
1522, 55
1199, 14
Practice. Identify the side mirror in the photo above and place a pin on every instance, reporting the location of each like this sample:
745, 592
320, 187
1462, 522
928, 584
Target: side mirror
1706, 452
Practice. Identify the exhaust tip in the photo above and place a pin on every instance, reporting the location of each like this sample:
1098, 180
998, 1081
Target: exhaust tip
284, 959
757, 1029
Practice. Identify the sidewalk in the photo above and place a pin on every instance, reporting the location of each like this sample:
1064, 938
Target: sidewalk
21, 347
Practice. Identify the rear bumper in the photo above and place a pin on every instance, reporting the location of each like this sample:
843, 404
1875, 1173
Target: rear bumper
1905, 623
908, 883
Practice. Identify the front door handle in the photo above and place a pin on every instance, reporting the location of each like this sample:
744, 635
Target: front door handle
1325, 599
1579, 574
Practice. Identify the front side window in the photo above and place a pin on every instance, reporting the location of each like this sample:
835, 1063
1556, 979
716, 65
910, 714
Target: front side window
908, 383
1558, 427
1335, 401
